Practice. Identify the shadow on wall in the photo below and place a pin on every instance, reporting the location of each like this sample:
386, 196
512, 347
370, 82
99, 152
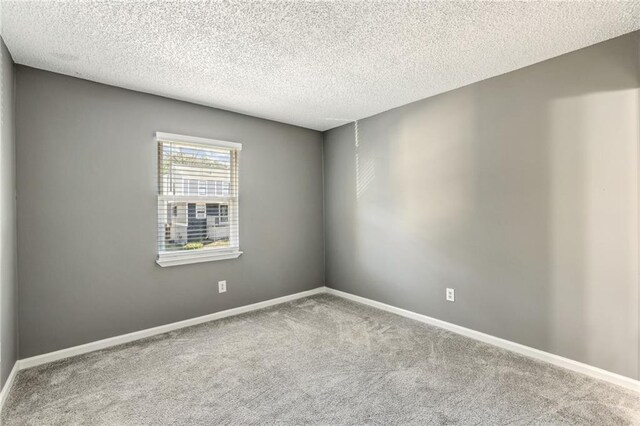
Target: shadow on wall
520, 192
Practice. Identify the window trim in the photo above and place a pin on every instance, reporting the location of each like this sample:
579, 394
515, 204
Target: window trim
197, 256
174, 258
171, 137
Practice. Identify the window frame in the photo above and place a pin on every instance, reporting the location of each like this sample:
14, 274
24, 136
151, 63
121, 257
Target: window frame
174, 258
202, 188
201, 211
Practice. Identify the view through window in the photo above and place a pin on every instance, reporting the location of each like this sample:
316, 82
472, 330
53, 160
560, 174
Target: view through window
197, 197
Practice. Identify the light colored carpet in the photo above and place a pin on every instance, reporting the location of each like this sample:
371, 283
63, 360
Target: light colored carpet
321, 360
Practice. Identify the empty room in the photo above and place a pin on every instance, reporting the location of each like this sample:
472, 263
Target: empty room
319, 212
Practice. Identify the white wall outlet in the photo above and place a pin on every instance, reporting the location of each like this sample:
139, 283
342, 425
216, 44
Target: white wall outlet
222, 286
451, 295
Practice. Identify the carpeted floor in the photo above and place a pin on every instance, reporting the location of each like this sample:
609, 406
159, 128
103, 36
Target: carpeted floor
320, 360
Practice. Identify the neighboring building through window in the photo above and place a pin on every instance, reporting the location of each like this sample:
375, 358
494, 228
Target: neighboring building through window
197, 199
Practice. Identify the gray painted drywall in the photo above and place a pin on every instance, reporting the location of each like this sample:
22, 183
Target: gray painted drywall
86, 173
521, 192
8, 280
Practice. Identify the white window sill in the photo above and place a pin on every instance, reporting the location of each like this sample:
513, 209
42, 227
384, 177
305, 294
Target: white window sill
196, 256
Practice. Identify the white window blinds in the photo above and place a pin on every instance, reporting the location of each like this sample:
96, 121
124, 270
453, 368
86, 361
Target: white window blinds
197, 199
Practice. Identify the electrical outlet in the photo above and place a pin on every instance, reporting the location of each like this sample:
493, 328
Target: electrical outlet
451, 295
222, 286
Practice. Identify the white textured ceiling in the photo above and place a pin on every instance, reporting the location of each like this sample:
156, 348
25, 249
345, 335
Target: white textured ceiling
313, 64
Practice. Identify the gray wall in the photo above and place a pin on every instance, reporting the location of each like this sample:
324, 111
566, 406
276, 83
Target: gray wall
8, 281
86, 164
521, 192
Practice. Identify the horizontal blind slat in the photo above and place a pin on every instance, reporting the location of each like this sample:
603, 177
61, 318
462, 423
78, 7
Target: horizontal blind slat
198, 192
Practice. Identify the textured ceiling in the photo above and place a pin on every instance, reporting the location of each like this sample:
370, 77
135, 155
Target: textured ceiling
313, 64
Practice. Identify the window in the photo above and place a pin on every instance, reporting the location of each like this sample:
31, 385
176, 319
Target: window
202, 187
197, 200
201, 211
224, 214
212, 186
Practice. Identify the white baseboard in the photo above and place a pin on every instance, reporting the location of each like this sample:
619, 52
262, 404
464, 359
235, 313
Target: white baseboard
4, 393
137, 335
557, 360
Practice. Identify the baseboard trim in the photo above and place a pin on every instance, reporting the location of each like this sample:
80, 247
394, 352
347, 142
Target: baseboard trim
557, 360
137, 335
4, 393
